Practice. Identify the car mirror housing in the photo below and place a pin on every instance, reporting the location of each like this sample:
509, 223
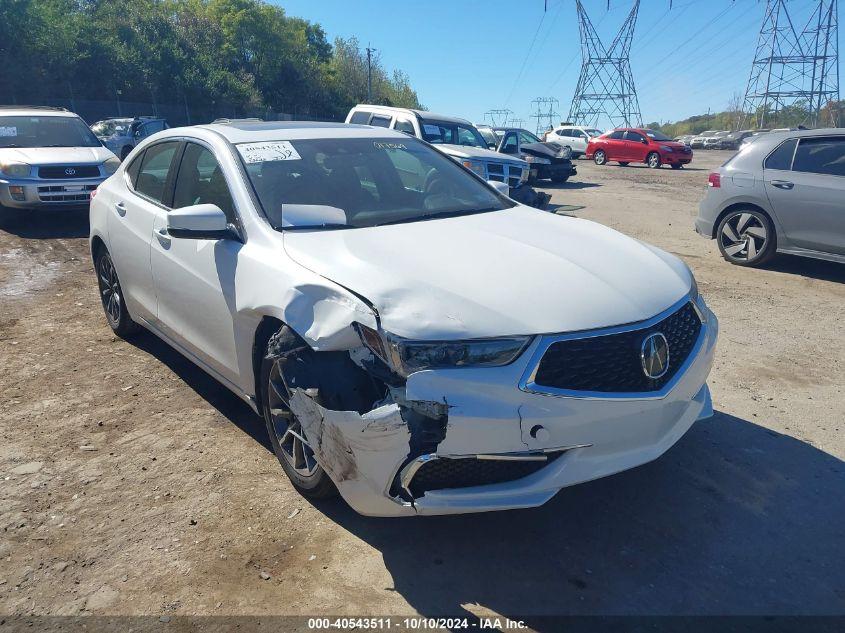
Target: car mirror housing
198, 222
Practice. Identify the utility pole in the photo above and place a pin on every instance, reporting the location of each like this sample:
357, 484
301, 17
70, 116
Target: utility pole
496, 115
794, 68
370, 52
545, 112
606, 85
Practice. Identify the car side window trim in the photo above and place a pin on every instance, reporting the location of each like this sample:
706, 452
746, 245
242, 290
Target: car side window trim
776, 148
168, 193
239, 224
236, 215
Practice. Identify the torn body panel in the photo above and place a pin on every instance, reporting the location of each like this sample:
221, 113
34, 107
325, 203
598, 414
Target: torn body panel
374, 458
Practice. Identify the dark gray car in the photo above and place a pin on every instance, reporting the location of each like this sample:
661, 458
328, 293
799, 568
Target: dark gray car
783, 193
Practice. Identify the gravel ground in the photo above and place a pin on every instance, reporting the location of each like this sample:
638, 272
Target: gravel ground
131, 483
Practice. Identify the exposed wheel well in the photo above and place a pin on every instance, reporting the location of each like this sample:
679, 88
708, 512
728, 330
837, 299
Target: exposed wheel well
268, 326
97, 244
741, 205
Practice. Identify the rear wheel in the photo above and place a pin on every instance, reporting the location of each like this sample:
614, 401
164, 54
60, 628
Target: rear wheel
746, 237
286, 435
653, 160
600, 158
111, 295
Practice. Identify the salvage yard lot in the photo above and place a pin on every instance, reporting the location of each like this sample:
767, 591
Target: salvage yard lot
132, 483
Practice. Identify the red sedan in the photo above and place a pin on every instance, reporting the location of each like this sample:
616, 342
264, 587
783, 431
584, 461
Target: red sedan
638, 145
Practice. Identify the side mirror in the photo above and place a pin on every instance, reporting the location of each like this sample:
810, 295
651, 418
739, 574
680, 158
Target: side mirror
501, 187
198, 222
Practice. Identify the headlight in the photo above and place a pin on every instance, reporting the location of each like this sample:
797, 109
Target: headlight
111, 165
17, 170
476, 166
405, 356
536, 160
666, 148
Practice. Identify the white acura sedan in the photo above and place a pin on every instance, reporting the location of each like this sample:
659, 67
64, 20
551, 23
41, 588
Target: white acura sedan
413, 339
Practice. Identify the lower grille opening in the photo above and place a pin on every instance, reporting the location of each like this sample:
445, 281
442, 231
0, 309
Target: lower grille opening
444, 473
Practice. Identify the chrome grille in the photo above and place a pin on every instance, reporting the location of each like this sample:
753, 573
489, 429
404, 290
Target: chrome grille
502, 172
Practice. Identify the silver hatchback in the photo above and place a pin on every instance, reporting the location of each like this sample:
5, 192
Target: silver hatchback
782, 193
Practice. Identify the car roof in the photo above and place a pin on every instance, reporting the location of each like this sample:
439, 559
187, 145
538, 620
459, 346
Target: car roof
425, 114
257, 131
35, 110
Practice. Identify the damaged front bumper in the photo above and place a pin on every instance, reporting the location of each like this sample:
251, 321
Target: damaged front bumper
528, 444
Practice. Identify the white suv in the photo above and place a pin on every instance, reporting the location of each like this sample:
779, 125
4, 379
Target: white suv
412, 338
49, 158
576, 137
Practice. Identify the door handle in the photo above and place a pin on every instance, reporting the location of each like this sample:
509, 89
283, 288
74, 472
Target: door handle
120, 208
163, 237
783, 184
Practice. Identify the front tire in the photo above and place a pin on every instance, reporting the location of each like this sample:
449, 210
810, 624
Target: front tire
653, 160
600, 158
746, 237
111, 296
286, 435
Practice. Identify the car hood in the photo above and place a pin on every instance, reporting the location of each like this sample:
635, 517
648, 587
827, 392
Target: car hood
548, 150
672, 144
467, 151
56, 155
516, 271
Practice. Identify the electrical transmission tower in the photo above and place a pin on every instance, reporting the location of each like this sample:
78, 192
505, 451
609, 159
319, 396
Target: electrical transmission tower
499, 117
606, 85
546, 112
795, 74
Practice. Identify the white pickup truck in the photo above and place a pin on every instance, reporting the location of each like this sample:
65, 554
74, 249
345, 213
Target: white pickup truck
458, 139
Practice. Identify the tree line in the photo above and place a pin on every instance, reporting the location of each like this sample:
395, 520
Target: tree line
245, 54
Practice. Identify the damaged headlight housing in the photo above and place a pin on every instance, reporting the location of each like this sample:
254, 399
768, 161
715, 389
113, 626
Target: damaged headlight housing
406, 356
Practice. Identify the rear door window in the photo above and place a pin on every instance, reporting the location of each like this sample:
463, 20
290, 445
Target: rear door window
361, 117
152, 177
821, 155
636, 137
380, 121
781, 158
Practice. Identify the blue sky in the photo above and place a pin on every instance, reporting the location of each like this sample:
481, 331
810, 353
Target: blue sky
464, 56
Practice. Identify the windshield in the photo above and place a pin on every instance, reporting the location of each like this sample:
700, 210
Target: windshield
436, 132
47, 131
360, 182
657, 136
111, 127
489, 136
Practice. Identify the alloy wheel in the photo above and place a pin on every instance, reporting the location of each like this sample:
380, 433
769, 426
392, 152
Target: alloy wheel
109, 289
287, 428
743, 237
654, 160
600, 157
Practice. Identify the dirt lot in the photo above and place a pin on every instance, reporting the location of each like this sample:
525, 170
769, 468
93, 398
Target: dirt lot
131, 483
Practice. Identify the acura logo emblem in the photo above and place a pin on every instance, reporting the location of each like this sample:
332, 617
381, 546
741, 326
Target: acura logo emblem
654, 355
70, 171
